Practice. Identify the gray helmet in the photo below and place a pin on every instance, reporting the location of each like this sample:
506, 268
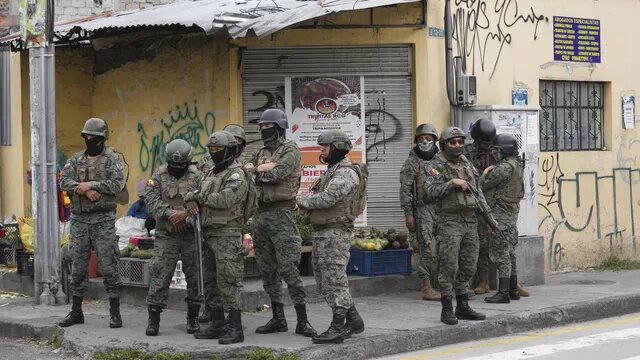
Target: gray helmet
483, 130
450, 133
236, 131
221, 138
96, 127
507, 143
274, 116
336, 138
425, 129
178, 151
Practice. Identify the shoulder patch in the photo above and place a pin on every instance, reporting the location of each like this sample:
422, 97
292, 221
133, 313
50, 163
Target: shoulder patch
234, 177
150, 182
434, 172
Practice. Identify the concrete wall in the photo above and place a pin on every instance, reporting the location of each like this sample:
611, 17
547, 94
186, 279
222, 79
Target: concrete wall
4, 17
71, 9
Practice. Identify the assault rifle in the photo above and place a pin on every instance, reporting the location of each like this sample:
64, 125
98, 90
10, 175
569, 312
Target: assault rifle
484, 209
416, 217
198, 238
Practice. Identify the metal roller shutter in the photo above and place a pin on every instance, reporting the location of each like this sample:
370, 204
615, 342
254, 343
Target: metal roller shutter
387, 72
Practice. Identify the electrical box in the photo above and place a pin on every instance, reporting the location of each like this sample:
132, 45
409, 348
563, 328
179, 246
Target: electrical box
467, 91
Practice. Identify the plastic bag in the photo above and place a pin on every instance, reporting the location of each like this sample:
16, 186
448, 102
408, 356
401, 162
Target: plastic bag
25, 226
127, 227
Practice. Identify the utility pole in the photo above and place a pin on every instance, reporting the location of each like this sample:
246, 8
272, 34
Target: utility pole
44, 199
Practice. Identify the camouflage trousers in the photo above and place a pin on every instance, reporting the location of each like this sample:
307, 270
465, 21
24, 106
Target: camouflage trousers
483, 252
330, 257
425, 261
502, 248
277, 246
223, 269
457, 243
102, 238
168, 248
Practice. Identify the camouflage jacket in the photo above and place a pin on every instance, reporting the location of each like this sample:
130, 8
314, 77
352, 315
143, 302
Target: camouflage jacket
503, 186
481, 159
105, 172
412, 172
281, 183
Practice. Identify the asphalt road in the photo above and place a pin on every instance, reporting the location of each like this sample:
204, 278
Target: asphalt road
611, 339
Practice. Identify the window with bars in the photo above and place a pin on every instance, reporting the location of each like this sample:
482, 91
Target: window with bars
572, 115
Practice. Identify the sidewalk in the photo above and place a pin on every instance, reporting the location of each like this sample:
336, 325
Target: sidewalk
395, 322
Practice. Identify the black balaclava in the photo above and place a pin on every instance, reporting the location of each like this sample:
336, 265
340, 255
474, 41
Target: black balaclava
95, 145
221, 159
335, 156
175, 171
426, 150
271, 135
452, 153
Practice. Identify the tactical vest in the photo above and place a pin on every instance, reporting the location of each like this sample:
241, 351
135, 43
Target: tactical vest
217, 218
481, 159
420, 181
173, 192
511, 192
282, 191
96, 169
342, 213
456, 200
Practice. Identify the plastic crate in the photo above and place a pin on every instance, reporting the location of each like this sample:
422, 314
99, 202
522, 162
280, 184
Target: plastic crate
385, 262
134, 272
25, 263
143, 243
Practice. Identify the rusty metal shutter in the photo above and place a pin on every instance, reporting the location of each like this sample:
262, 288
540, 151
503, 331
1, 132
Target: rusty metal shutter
387, 72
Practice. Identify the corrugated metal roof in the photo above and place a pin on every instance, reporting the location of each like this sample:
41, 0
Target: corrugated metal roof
240, 17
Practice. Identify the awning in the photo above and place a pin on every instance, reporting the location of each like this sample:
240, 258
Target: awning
241, 17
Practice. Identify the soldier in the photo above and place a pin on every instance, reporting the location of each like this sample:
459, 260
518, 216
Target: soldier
93, 178
503, 187
205, 165
451, 183
221, 202
277, 243
336, 199
164, 196
419, 216
483, 132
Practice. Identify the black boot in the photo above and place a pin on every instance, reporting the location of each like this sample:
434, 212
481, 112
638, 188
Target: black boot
502, 296
206, 314
303, 327
446, 316
354, 324
75, 316
277, 324
217, 327
513, 288
464, 311
233, 332
193, 309
115, 320
154, 320
335, 334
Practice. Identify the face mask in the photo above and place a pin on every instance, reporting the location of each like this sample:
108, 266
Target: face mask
334, 157
269, 135
95, 145
426, 150
453, 152
176, 172
426, 146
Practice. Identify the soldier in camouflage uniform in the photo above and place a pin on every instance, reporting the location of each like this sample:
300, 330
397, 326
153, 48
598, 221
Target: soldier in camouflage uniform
164, 196
450, 179
276, 242
331, 208
416, 212
221, 201
93, 178
205, 164
479, 153
503, 187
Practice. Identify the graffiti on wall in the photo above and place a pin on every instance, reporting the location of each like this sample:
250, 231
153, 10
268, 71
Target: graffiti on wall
482, 28
186, 121
599, 206
382, 127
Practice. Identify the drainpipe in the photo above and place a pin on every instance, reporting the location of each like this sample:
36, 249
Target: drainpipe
453, 107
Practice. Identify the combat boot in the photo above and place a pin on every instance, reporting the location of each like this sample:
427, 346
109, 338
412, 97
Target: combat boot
429, 293
446, 316
335, 334
217, 328
154, 320
75, 316
206, 314
354, 324
303, 327
502, 296
514, 289
193, 309
115, 320
523, 291
233, 332
464, 311
483, 286
277, 324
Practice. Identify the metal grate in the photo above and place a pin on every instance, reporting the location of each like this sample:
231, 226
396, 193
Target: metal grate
134, 272
572, 115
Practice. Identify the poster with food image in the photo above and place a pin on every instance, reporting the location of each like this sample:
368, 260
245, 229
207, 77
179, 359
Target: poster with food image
317, 104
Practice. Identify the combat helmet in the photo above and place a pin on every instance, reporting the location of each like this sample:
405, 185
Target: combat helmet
425, 129
96, 127
507, 143
236, 131
483, 131
274, 116
178, 151
336, 138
